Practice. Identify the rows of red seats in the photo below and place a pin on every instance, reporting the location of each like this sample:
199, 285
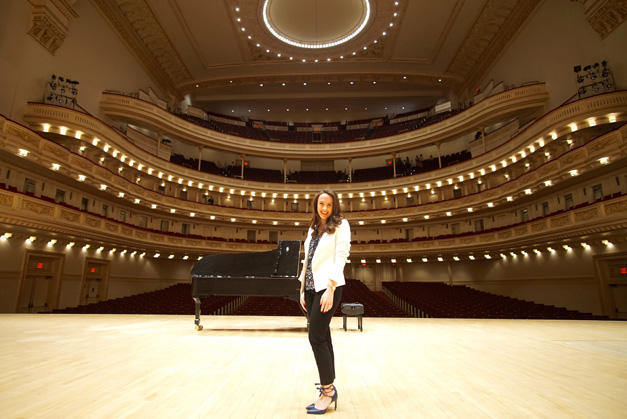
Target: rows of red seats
175, 299
355, 291
436, 299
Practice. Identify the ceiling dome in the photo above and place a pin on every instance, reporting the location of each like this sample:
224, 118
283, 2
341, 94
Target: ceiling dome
315, 24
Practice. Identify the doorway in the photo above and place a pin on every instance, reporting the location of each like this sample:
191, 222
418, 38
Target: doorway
96, 281
39, 290
612, 277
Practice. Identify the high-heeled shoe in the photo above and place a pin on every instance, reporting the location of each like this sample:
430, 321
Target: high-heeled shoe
311, 409
311, 406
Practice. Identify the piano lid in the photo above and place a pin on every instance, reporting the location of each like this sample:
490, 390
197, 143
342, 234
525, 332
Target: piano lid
284, 261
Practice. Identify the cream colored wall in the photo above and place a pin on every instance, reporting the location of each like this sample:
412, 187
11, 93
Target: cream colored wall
128, 274
554, 40
91, 54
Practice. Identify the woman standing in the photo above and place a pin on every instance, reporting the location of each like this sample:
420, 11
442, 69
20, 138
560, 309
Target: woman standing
322, 278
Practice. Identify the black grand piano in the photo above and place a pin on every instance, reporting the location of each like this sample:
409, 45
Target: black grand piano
272, 273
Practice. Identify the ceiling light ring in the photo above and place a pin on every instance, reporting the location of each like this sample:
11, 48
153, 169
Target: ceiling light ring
283, 38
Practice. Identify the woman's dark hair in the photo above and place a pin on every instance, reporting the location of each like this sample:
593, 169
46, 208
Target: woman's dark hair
334, 220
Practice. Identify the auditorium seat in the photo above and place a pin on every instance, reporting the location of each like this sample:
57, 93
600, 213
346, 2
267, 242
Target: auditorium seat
436, 299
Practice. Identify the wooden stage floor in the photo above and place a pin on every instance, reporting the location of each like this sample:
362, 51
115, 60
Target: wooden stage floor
137, 366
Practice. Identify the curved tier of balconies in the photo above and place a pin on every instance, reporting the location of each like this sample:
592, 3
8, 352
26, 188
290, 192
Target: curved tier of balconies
597, 218
497, 108
597, 221
612, 107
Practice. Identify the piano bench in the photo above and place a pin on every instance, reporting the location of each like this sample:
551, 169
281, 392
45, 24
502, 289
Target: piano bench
353, 310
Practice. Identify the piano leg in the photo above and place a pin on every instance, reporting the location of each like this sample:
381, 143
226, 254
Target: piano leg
304, 314
197, 302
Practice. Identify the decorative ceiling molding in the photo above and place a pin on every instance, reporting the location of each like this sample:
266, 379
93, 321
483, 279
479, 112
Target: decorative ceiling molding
50, 22
250, 13
137, 25
497, 24
605, 15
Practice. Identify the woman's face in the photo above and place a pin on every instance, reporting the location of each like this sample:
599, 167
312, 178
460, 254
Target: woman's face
325, 206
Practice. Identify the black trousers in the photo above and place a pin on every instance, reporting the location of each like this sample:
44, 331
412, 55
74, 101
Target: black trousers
320, 333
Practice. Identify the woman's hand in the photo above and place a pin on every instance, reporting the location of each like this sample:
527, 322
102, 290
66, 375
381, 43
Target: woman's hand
326, 301
302, 301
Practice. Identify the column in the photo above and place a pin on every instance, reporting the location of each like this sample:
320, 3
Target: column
242, 160
350, 169
438, 144
159, 137
200, 149
450, 273
394, 163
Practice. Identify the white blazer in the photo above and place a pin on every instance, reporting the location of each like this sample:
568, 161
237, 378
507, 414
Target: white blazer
330, 257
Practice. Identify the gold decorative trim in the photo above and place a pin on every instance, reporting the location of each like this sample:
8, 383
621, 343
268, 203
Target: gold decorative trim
487, 238
587, 214
49, 22
37, 208
6, 200
69, 216
615, 207
113, 228
93, 222
137, 25
561, 221
494, 28
606, 15
539, 227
